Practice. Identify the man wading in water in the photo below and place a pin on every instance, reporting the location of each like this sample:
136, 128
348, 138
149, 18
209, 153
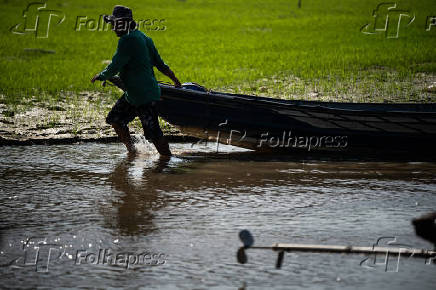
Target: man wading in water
134, 60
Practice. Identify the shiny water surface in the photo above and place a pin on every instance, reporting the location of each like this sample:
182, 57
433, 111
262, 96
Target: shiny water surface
90, 216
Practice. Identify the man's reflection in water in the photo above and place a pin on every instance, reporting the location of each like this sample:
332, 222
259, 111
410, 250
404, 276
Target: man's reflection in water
139, 185
139, 197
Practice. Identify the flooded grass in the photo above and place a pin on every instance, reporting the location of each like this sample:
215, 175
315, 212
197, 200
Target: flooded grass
70, 115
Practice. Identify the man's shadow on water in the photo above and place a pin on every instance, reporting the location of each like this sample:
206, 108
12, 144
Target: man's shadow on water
138, 198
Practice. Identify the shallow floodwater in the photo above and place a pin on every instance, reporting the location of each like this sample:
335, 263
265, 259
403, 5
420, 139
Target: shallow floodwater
90, 216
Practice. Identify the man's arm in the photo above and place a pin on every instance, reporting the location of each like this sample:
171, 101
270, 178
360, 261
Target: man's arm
120, 59
169, 73
162, 66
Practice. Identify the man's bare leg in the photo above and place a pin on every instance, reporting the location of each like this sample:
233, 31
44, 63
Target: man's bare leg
124, 135
162, 146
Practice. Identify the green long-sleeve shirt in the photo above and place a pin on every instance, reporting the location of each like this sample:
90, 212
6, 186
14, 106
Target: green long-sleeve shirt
134, 60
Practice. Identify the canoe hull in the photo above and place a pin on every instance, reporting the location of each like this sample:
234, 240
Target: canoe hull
271, 125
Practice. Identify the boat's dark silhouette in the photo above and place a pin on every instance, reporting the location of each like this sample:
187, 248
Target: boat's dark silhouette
275, 125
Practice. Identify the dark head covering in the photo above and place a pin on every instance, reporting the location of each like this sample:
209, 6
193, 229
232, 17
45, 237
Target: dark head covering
119, 12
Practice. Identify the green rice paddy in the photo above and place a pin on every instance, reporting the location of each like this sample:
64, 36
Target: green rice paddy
321, 51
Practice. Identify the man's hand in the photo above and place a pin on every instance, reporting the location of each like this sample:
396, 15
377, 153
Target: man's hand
177, 83
95, 78
169, 73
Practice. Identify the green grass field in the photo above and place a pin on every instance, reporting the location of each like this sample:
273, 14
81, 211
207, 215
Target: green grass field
269, 47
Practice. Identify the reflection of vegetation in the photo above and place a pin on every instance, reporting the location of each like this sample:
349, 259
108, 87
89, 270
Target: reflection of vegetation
235, 44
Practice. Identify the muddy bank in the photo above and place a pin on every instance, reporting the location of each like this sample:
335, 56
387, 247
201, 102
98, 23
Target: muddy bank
63, 139
72, 119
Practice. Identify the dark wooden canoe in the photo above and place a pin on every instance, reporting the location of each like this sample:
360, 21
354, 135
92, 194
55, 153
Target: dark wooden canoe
274, 125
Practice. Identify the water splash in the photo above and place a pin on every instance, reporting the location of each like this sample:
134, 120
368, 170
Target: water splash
143, 147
